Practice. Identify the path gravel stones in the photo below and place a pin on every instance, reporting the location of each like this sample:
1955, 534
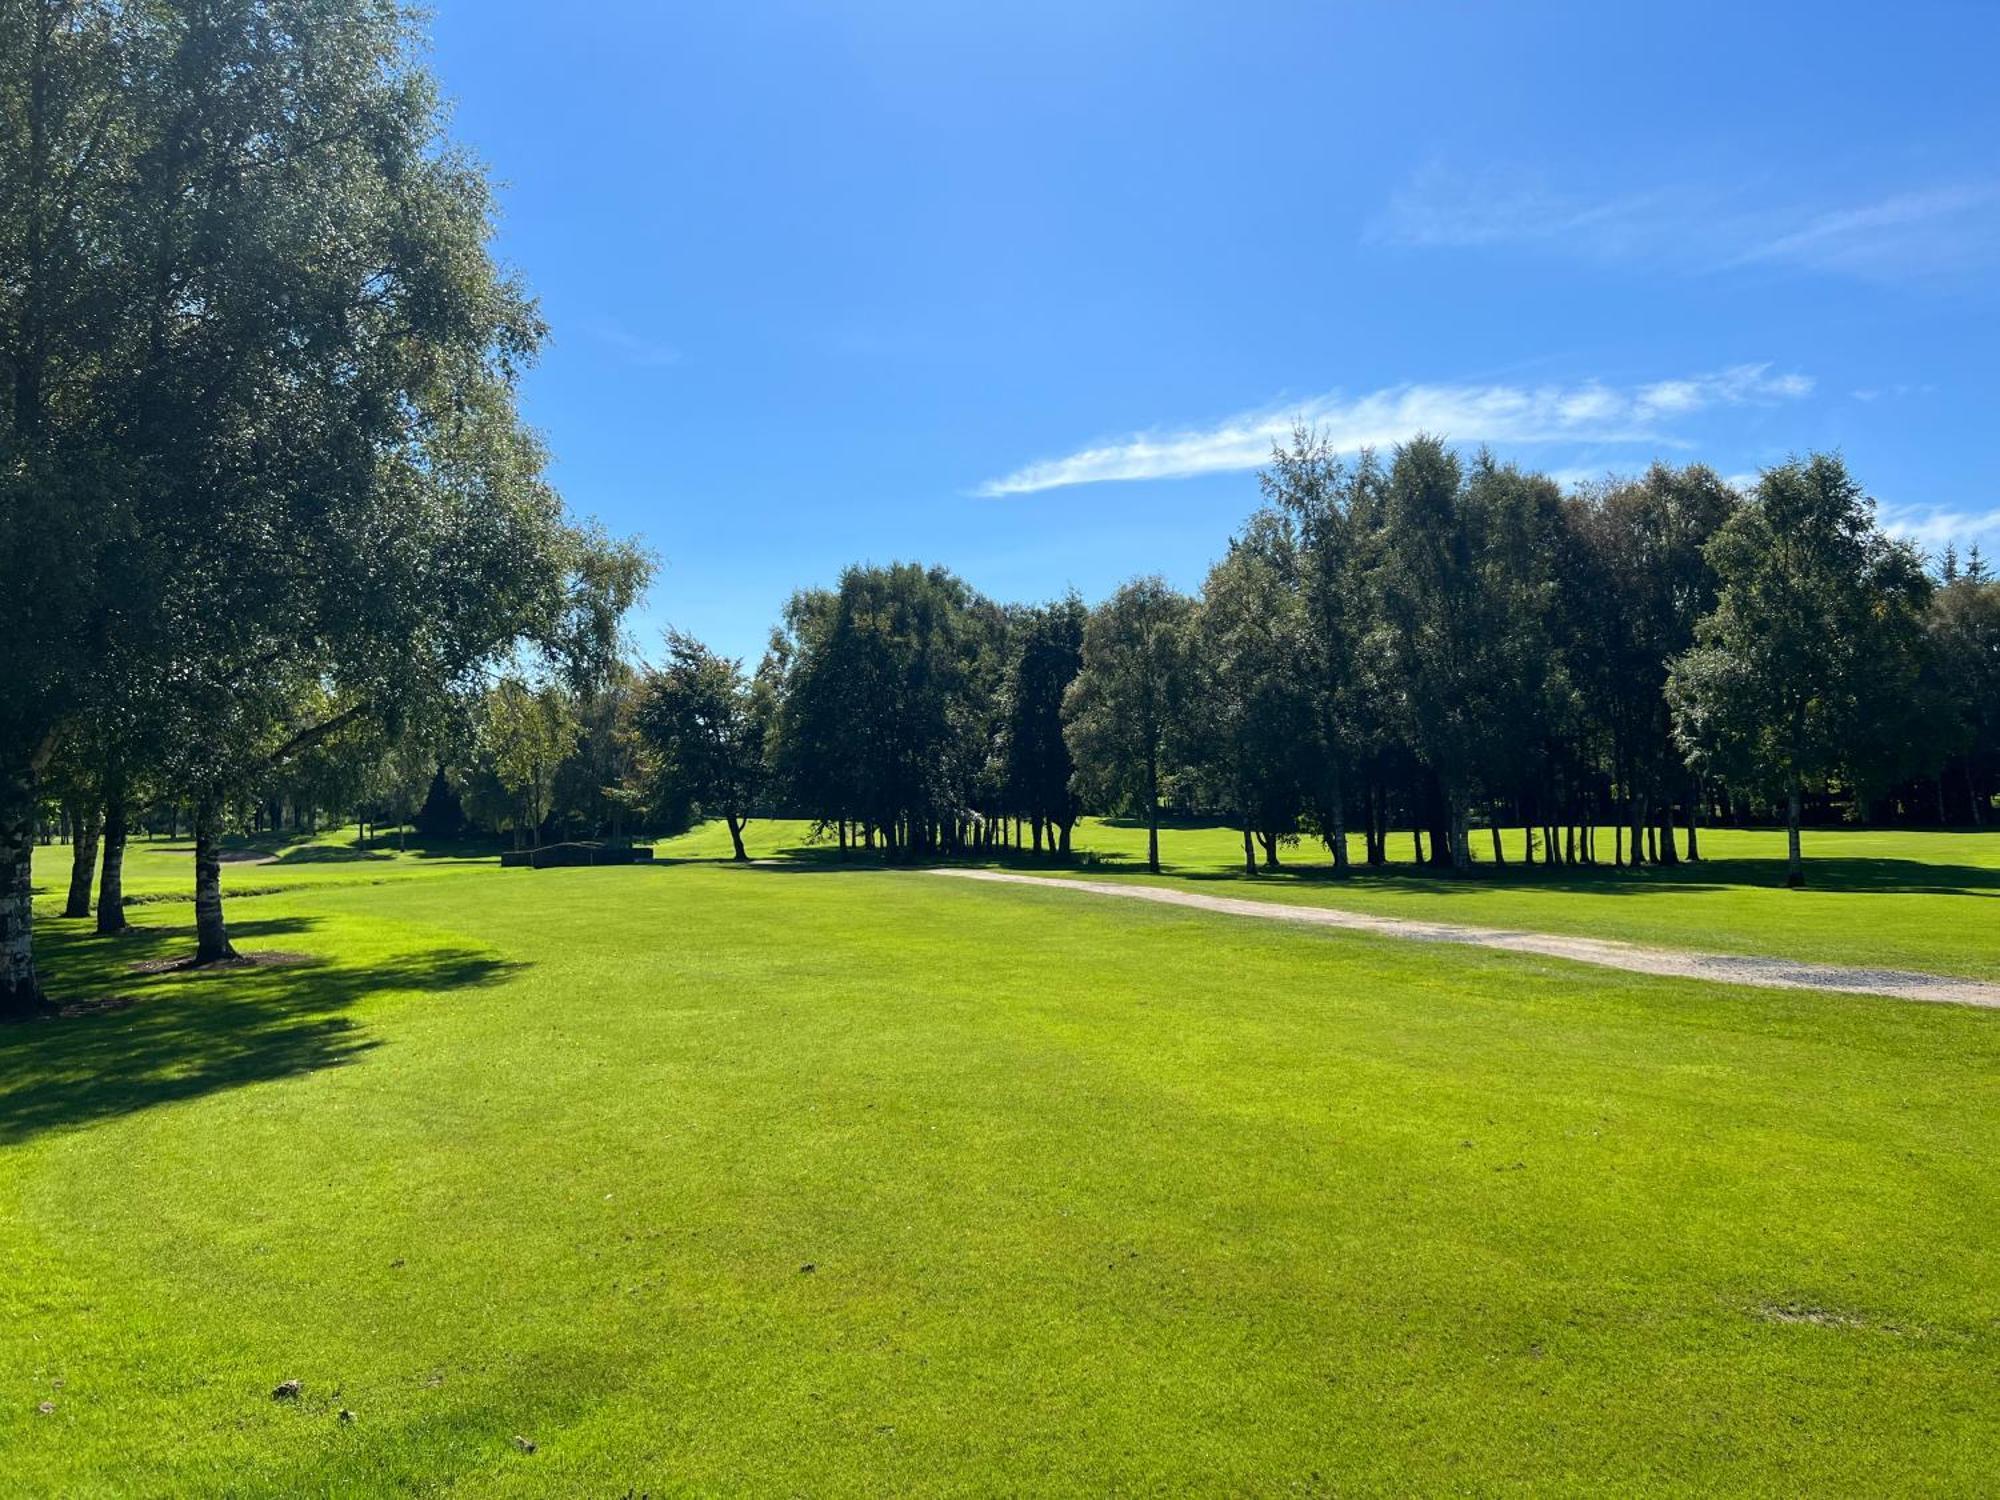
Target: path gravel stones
1721, 968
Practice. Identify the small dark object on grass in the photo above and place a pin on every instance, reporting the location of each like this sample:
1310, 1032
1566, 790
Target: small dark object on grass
290, 1390
346, 1415
240, 961
807, 1269
47, 1408
526, 1445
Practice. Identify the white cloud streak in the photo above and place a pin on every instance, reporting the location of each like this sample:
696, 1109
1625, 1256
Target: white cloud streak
1932, 528
633, 348
1953, 227
1590, 412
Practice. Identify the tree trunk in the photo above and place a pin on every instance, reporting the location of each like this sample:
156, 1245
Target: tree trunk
111, 883
1337, 808
211, 932
82, 859
1270, 843
1062, 836
20, 992
1499, 854
1249, 852
1694, 821
736, 834
1668, 854
1152, 810
1795, 868
1461, 844
1972, 794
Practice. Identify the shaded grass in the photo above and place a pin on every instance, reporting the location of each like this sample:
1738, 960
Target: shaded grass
1095, 1199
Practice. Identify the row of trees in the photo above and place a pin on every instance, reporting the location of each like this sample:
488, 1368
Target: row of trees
264, 494
1425, 643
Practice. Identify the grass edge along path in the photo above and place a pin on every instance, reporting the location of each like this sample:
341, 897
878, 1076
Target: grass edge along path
1766, 973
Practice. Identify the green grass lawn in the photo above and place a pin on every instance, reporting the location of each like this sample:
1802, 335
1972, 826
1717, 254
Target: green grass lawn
1874, 899
794, 1180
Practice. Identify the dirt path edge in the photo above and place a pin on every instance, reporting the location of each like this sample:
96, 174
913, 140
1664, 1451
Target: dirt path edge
1678, 963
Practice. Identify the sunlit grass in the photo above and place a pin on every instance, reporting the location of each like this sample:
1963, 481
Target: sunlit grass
1915, 900
1094, 1198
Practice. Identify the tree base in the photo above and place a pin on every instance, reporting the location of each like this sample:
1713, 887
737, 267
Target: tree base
23, 1002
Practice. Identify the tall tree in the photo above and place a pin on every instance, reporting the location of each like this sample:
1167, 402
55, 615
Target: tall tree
1807, 651
705, 720
527, 731
1039, 770
1331, 508
1253, 709
1124, 712
70, 149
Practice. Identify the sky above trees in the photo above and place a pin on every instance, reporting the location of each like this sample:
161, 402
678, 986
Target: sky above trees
1031, 289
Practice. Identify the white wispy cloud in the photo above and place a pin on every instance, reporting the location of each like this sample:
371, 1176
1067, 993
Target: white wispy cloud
1938, 229
1932, 527
1590, 412
633, 348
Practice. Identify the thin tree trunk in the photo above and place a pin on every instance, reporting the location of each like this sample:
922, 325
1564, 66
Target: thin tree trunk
1249, 852
1337, 800
1795, 868
1461, 844
211, 932
20, 991
1694, 823
82, 859
1270, 843
736, 834
111, 882
1152, 810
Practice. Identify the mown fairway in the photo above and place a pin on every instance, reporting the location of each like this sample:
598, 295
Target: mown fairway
799, 1180
1910, 900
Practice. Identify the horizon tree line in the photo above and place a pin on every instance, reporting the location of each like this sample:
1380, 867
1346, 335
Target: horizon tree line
1442, 646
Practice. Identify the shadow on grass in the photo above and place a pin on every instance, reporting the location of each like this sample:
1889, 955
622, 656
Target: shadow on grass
1825, 873
147, 1039
330, 854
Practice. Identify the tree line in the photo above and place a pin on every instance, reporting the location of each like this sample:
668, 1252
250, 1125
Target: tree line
1454, 648
265, 498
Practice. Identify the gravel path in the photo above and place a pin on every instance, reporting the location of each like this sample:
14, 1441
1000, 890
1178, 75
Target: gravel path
1771, 973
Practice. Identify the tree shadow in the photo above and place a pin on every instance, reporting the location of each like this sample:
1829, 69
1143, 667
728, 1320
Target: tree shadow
1842, 873
128, 1041
1823, 873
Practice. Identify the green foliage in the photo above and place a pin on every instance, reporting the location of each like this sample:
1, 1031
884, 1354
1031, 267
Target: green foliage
1125, 715
706, 723
1254, 720
1806, 667
527, 732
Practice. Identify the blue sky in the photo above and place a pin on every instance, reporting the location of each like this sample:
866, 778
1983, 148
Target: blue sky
1025, 289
